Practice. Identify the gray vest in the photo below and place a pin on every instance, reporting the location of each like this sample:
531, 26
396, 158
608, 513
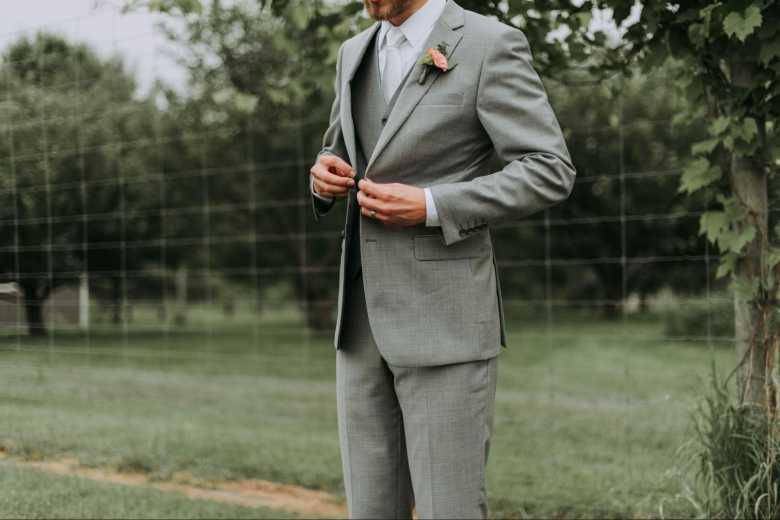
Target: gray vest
370, 113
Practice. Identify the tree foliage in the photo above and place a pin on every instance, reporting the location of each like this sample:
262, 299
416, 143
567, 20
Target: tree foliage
65, 176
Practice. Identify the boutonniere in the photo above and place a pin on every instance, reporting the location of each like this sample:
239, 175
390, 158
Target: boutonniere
435, 59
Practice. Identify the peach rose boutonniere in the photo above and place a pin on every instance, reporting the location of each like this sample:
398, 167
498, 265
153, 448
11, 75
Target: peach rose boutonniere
435, 59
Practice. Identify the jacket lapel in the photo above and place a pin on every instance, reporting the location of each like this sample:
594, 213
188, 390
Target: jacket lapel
352, 61
445, 30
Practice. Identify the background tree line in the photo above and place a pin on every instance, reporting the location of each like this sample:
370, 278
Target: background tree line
131, 190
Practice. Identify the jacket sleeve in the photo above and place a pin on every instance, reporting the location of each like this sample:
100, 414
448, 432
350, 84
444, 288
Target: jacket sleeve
332, 143
515, 113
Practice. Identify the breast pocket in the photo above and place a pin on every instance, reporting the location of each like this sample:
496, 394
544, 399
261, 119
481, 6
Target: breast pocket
454, 99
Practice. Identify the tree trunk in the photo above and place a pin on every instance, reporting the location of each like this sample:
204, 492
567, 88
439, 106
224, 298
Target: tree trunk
182, 275
116, 297
84, 302
613, 306
34, 298
753, 339
318, 308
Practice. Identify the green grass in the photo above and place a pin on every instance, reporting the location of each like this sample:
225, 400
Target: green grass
589, 414
26, 493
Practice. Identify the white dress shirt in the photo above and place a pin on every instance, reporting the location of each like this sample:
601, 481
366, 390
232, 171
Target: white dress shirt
417, 28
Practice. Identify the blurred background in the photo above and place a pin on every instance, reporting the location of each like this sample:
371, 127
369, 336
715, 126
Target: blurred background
167, 301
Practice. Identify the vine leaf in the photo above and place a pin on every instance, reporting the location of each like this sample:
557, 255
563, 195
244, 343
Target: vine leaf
769, 51
719, 126
728, 263
738, 241
699, 174
712, 223
773, 258
743, 25
705, 147
748, 131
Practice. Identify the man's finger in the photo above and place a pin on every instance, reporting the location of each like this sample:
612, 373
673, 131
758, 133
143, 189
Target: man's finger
372, 188
320, 188
328, 189
376, 216
321, 173
371, 204
331, 190
337, 164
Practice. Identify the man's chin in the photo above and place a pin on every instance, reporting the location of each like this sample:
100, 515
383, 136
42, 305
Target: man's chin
376, 13
378, 10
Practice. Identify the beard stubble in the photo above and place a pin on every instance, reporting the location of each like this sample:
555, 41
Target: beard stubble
387, 9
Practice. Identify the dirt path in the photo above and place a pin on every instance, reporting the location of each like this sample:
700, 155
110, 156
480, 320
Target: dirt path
250, 493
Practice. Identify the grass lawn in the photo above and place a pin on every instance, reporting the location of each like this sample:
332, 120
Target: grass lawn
589, 414
32, 494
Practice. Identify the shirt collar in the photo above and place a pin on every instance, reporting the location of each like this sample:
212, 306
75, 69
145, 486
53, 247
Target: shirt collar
417, 27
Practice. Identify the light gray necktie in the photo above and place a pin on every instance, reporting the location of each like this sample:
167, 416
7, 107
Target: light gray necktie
392, 73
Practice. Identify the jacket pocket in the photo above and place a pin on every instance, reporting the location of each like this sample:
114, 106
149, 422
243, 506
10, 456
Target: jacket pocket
432, 247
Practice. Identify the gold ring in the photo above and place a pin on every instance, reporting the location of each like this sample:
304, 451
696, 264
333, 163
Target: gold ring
373, 213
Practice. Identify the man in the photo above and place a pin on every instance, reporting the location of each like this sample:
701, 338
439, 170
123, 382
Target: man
413, 140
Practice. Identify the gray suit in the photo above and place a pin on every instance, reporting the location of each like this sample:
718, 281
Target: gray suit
419, 329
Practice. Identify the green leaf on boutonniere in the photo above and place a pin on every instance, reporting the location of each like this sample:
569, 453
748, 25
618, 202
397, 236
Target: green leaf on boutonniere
429, 66
423, 75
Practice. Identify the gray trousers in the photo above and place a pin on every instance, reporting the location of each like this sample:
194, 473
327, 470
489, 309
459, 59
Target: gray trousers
411, 437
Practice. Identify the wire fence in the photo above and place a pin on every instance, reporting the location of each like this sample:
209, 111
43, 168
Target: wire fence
59, 172
186, 244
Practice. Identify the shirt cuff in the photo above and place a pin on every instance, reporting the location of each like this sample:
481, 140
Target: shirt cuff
431, 217
311, 187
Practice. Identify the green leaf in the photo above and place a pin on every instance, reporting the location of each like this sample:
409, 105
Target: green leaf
773, 257
584, 18
743, 25
743, 238
748, 130
728, 263
171, 6
719, 126
712, 223
745, 288
769, 51
705, 147
699, 174
697, 34
517, 7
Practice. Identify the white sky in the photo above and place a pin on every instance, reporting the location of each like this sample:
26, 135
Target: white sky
101, 24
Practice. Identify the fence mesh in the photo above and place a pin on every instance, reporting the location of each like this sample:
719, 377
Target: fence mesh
203, 288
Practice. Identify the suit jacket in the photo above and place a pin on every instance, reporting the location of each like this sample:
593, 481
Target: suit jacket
432, 293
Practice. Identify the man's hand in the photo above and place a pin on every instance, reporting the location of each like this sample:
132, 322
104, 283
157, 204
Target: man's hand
394, 203
332, 176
